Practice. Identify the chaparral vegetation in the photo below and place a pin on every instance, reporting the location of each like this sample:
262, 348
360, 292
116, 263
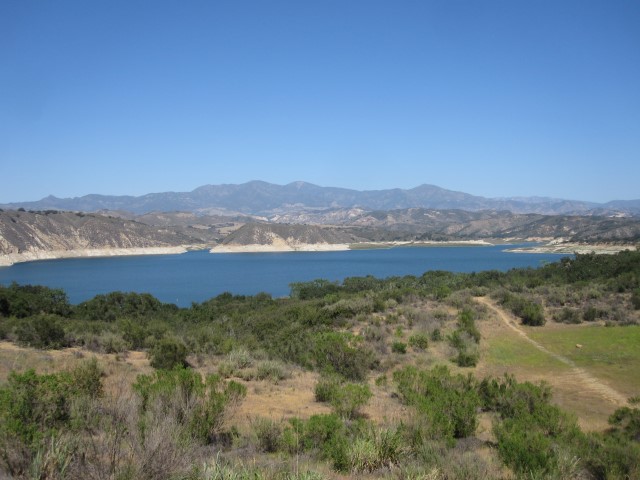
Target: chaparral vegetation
441, 376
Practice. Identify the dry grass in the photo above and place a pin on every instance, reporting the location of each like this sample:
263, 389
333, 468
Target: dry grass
290, 398
20, 359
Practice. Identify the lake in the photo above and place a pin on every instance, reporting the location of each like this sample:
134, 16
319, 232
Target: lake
198, 276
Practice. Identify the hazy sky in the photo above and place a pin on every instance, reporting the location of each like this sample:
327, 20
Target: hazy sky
494, 98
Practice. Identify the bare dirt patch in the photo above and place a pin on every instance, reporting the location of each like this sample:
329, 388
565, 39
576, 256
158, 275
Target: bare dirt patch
289, 398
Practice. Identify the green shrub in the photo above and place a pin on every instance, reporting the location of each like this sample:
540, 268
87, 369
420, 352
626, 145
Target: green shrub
23, 301
273, 370
465, 339
534, 437
5, 328
109, 342
448, 402
133, 332
568, 315
343, 354
533, 315
225, 369
35, 408
313, 289
374, 450
625, 422
320, 430
399, 347
349, 308
201, 407
168, 353
591, 314
466, 358
116, 305
512, 399
523, 448
362, 456
635, 299
466, 323
467, 348
87, 378
269, 434
346, 398
419, 341
240, 358
610, 455
530, 312
41, 331
326, 387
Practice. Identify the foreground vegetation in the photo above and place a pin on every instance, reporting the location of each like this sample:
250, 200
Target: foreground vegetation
393, 387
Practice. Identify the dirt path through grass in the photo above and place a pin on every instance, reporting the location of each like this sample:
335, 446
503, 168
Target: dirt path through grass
587, 380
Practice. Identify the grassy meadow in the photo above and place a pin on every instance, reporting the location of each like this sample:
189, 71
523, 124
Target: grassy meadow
609, 353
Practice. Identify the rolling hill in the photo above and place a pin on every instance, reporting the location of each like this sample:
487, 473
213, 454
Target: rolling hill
49, 234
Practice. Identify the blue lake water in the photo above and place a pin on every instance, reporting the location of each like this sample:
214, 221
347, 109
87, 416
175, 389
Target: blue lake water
198, 276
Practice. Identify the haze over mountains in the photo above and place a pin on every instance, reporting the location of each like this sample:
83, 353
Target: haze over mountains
266, 199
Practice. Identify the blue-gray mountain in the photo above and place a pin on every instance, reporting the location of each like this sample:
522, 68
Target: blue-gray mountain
266, 199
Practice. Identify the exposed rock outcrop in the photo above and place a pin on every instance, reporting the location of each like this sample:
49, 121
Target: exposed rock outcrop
28, 236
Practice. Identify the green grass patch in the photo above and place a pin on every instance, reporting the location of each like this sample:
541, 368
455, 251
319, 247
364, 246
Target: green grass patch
609, 353
512, 351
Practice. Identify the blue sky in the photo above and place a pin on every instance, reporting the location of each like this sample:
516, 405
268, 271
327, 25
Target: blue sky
494, 98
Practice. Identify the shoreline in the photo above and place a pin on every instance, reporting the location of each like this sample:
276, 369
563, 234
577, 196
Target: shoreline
573, 248
7, 260
282, 247
12, 258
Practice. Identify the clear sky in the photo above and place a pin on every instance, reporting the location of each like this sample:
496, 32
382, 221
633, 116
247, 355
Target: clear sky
494, 98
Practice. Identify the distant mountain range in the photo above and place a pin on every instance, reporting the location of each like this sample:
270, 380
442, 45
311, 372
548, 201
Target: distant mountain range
264, 199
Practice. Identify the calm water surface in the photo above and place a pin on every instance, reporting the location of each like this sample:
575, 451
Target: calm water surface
198, 276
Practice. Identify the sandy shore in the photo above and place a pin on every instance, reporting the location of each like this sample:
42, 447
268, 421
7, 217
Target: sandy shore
10, 259
568, 248
334, 247
423, 243
571, 248
300, 247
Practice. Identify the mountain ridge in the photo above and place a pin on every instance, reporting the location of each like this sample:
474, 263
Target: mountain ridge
263, 198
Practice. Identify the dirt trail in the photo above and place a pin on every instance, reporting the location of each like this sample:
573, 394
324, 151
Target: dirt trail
588, 380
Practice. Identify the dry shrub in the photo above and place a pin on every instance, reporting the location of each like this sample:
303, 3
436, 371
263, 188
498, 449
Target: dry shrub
272, 370
52, 462
121, 444
107, 447
162, 449
465, 460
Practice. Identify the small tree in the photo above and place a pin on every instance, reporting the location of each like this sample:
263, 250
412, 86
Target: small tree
41, 331
168, 353
533, 315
